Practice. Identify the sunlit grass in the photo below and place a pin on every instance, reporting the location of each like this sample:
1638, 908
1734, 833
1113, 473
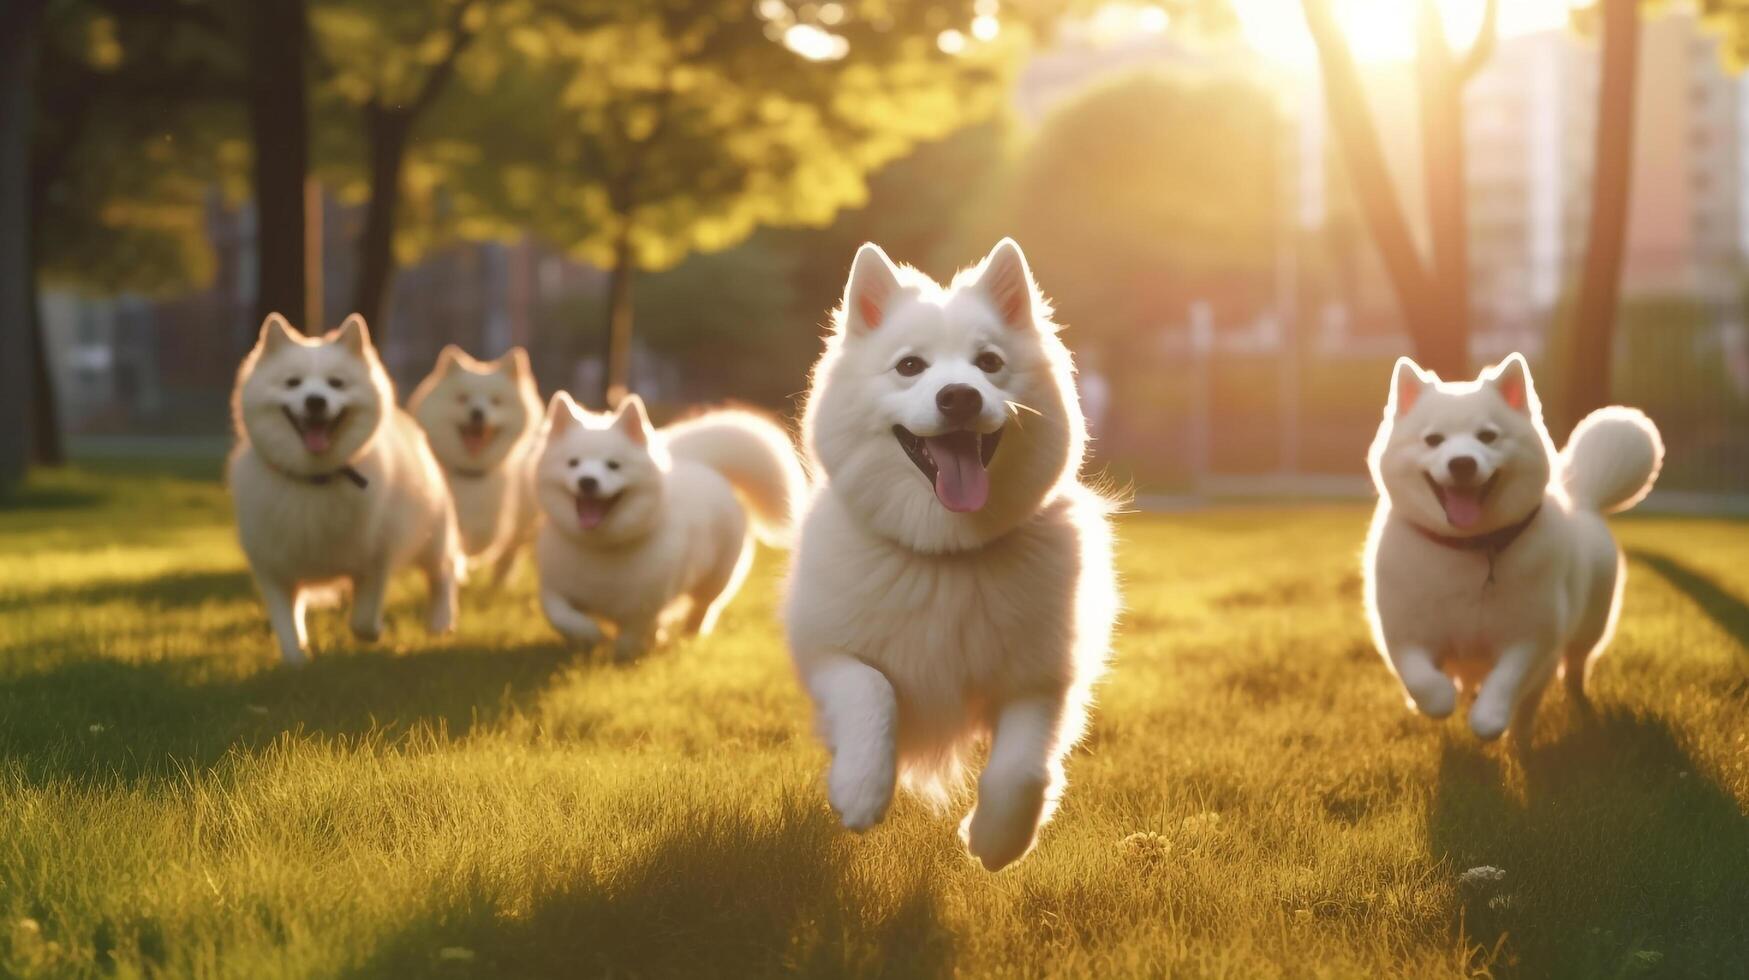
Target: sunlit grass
1254, 800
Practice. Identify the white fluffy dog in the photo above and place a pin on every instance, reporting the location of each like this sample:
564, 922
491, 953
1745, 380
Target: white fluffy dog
1489, 562
643, 528
954, 577
481, 417
333, 483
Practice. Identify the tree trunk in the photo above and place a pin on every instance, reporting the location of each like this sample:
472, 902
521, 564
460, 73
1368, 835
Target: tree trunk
1437, 345
279, 129
47, 447
18, 57
616, 378
1440, 93
1593, 336
387, 130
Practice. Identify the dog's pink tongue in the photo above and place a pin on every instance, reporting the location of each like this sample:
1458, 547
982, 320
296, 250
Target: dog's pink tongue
316, 437
1463, 508
590, 512
961, 482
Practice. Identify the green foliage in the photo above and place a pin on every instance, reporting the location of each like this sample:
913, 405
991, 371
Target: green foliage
1146, 193
1253, 800
135, 131
667, 128
1730, 20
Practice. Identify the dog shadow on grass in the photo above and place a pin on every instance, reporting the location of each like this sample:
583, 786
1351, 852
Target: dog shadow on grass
95, 719
723, 893
1728, 612
1618, 855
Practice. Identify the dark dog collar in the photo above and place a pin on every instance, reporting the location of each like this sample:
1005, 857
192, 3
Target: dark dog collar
348, 471
1492, 543
470, 474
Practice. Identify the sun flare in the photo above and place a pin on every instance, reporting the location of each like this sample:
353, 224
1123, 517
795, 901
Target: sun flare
1382, 30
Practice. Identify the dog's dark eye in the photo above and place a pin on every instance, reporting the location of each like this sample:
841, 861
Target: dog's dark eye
572, 462
613, 464
495, 401
989, 362
910, 366
293, 382
337, 383
461, 399
1487, 436
1434, 439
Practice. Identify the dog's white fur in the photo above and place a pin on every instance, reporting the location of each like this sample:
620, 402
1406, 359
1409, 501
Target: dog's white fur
1556, 589
480, 418
675, 543
303, 524
917, 630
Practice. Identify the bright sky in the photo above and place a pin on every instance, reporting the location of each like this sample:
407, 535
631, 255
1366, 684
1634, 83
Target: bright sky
1383, 30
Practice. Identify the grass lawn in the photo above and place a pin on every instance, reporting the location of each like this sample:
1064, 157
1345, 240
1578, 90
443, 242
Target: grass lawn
1254, 799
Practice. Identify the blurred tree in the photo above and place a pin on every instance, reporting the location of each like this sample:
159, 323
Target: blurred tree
276, 41
385, 63
126, 148
744, 322
636, 135
19, 22
1434, 296
1590, 351
1130, 221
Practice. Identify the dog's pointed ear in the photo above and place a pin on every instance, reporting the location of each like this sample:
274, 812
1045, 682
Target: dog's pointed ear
353, 334
633, 420
514, 363
1408, 383
871, 289
562, 413
1511, 379
449, 358
1006, 280
276, 332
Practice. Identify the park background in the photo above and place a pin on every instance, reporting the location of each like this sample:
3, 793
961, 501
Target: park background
1244, 210
1241, 220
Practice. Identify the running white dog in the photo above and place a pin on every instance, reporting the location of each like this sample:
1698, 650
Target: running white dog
644, 527
481, 417
333, 483
954, 577
1489, 562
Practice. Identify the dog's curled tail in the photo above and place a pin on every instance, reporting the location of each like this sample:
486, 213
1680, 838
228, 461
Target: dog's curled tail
1611, 459
758, 459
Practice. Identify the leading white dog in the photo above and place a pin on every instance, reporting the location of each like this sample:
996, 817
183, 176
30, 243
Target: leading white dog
333, 483
954, 576
1489, 562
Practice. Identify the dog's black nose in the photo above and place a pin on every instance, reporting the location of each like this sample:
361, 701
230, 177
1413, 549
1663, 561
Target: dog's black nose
1461, 467
315, 405
476, 417
959, 404
589, 485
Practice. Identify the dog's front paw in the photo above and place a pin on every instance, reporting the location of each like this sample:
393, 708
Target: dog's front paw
1004, 824
860, 791
628, 648
1489, 719
440, 621
367, 632
1434, 695
583, 636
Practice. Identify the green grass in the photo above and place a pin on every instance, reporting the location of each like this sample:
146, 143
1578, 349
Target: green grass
1253, 801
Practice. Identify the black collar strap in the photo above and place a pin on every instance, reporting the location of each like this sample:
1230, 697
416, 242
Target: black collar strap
1493, 543
348, 471
470, 474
